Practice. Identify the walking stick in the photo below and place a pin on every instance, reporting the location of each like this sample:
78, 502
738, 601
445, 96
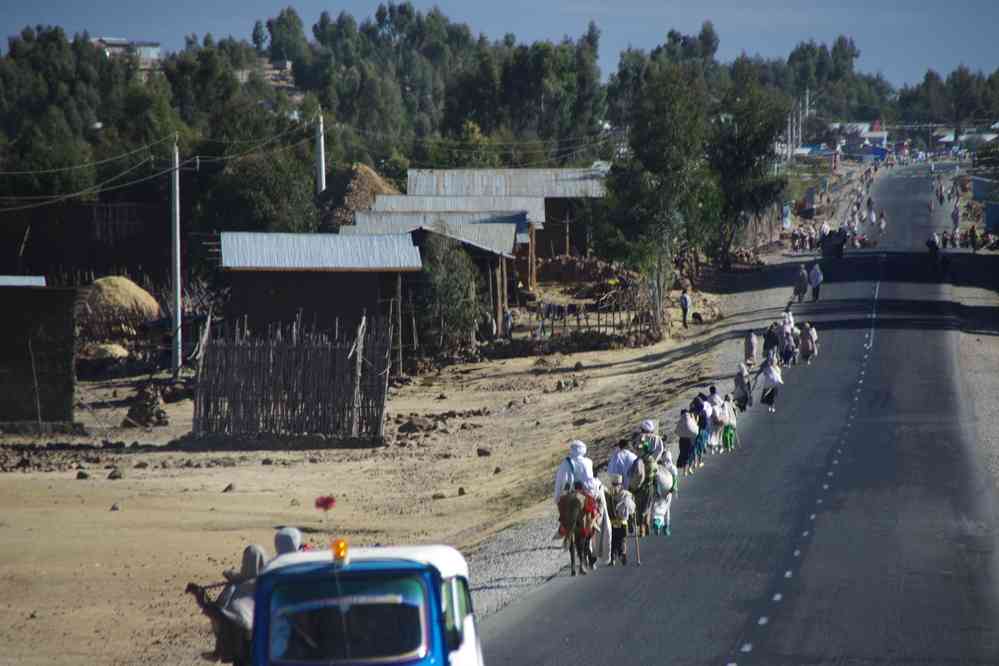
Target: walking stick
638, 549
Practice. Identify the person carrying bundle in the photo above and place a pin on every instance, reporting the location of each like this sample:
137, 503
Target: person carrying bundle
686, 432
667, 481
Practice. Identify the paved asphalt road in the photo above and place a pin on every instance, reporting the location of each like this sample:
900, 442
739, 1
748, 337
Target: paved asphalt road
855, 527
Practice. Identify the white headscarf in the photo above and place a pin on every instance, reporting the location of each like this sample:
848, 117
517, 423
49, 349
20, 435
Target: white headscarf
577, 449
648, 426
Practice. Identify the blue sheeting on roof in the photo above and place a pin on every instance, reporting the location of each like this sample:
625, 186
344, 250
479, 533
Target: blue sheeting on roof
22, 281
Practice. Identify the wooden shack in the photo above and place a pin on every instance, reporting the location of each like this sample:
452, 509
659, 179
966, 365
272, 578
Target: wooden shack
37, 351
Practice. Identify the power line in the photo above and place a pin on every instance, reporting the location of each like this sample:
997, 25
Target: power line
525, 144
237, 142
255, 149
86, 165
93, 188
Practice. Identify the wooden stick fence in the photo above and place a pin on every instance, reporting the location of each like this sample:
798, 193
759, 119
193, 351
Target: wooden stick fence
294, 382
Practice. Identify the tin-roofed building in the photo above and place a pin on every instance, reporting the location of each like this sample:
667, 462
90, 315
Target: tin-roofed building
429, 219
545, 183
563, 192
328, 278
534, 207
525, 230
497, 238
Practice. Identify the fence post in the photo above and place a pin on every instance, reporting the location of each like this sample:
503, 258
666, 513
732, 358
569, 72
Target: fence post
355, 407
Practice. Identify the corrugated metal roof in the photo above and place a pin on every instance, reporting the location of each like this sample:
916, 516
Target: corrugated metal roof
318, 252
496, 238
551, 183
418, 219
533, 206
22, 281
518, 217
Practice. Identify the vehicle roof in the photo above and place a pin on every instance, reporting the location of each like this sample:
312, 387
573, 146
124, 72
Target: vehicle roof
447, 560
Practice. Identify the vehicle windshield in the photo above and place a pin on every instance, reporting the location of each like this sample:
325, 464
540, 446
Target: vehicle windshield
361, 618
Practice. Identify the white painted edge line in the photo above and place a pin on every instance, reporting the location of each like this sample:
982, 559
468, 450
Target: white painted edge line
777, 597
763, 620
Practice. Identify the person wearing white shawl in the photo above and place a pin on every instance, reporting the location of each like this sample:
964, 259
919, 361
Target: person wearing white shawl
716, 422
577, 467
751, 348
771, 379
686, 432
665, 489
647, 433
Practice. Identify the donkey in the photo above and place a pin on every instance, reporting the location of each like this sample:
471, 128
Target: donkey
576, 526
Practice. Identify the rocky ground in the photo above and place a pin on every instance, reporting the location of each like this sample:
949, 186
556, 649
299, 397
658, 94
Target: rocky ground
100, 537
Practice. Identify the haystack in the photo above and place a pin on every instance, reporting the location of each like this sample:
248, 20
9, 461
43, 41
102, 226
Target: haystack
348, 191
109, 296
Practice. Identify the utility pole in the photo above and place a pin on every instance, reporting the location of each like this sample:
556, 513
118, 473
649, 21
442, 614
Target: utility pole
801, 123
176, 355
320, 155
787, 148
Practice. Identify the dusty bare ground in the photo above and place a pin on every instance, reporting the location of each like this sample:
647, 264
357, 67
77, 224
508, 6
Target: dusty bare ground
87, 584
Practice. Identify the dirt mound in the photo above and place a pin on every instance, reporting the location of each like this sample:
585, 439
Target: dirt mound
350, 190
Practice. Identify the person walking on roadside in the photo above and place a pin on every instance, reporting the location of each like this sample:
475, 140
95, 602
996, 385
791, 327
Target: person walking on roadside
743, 388
686, 432
770, 379
574, 467
771, 340
807, 344
801, 283
955, 219
647, 490
685, 304
751, 348
621, 509
622, 461
667, 484
882, 222
701, 408
647, 435
973, 239
815, 279
729, 435
717, 420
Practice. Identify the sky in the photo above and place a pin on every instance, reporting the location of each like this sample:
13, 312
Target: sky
900, 39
